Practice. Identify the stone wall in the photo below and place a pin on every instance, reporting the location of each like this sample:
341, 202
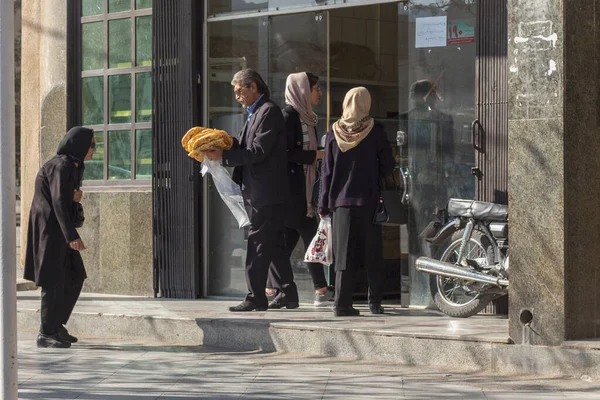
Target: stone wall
118, 236
554, 171
118, 227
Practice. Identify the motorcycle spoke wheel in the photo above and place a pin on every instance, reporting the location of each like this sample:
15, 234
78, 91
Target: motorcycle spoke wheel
455, 291
459, 297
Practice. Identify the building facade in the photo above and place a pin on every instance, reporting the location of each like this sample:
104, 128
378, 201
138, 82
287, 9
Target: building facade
507, 124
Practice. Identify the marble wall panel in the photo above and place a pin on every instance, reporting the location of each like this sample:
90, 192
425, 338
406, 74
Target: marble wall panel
582, 172
535, 41
118, 236
536, 212
554, 170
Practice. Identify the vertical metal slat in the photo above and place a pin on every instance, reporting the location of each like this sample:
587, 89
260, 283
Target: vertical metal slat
175, 201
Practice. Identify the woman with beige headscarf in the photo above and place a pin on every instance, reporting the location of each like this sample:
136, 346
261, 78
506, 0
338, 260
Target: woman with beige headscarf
302, 93
357, 155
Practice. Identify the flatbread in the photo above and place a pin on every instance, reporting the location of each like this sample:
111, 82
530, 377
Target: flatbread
199, 139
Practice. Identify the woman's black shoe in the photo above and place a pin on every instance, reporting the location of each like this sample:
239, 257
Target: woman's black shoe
247, 306
345, 312
376, 308
63, 334
51, 341
277, 304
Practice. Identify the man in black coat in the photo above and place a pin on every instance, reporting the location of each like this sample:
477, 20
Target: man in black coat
260, 161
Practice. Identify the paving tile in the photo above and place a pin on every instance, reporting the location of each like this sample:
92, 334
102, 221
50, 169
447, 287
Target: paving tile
49, 394
120, 395
432, 390
529, 395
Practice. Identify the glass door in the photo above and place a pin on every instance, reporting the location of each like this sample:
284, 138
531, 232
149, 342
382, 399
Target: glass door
434, 128
275, 46
298, 43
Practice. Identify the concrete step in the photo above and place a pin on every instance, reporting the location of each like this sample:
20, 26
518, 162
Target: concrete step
406, 336
25, 285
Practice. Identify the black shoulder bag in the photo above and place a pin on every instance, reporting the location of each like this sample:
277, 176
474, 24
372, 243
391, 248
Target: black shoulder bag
390, 209
77, 215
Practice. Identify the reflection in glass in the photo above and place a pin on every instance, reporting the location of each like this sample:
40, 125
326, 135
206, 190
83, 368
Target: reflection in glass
437, 120
139, 4
364, 51
119, 154
92, 100
143, 97
119, 99
94, 168
119, 5
219, 7
92, 45
143, 154
119, 43
92, 7
297, 48
216, 7
143, 41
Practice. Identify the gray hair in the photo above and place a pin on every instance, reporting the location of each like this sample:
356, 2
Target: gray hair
248, 76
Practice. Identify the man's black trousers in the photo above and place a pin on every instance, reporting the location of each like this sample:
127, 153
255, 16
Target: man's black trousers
266, 245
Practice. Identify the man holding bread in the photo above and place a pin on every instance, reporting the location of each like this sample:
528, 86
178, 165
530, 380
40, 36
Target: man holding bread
260, 161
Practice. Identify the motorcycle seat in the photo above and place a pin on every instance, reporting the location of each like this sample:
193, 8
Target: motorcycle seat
479, 210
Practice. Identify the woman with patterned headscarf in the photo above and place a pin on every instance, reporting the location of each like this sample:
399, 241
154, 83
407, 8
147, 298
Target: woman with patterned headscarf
52, 258
302, 93
357, 155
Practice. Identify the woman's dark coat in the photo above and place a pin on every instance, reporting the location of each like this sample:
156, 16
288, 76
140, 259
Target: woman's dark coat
49, 258
297, 158
351, 179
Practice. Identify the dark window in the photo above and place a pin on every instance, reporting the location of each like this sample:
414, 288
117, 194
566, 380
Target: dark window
111, 86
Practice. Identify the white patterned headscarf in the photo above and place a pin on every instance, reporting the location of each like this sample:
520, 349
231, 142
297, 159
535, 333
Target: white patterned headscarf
356, 123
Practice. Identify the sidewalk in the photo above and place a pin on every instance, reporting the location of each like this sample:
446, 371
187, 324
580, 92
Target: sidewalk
405, 336
96, 368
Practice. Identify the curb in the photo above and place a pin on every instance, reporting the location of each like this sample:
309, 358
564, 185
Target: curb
272, 336
23, 285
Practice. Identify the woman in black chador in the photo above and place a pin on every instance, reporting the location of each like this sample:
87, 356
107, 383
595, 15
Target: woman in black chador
52, 260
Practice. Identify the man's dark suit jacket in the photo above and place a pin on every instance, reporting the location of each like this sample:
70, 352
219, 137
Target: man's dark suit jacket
259, 157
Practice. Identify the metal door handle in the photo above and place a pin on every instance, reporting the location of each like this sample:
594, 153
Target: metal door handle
474, 142
405, 182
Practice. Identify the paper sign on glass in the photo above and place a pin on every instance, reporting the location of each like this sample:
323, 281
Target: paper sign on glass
430, 32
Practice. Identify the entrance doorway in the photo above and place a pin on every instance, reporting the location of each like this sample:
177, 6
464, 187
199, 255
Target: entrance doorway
419, 62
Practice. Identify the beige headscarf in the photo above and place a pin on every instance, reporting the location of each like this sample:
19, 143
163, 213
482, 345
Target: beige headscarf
356, 123
297, 95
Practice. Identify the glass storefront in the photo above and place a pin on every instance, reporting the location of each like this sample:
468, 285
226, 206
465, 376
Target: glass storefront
418, 62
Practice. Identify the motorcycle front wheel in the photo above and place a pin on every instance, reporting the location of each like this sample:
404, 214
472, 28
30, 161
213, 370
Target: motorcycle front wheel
459, 297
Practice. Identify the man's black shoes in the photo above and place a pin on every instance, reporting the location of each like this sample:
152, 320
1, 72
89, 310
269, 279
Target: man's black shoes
51, 341
247, 306
63, 334
278, 303
375, 308
345, 312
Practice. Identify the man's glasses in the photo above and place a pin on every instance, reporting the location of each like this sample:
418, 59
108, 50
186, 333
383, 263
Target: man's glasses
238, 91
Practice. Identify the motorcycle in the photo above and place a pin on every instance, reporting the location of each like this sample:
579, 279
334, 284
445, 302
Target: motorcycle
473, 267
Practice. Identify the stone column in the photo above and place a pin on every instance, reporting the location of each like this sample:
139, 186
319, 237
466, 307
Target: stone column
43, 93
554, 170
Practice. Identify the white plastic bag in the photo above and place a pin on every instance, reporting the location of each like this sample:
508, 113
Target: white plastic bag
321, 247
229, 191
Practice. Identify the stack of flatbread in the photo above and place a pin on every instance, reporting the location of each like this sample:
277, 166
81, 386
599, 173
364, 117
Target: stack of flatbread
199, 139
